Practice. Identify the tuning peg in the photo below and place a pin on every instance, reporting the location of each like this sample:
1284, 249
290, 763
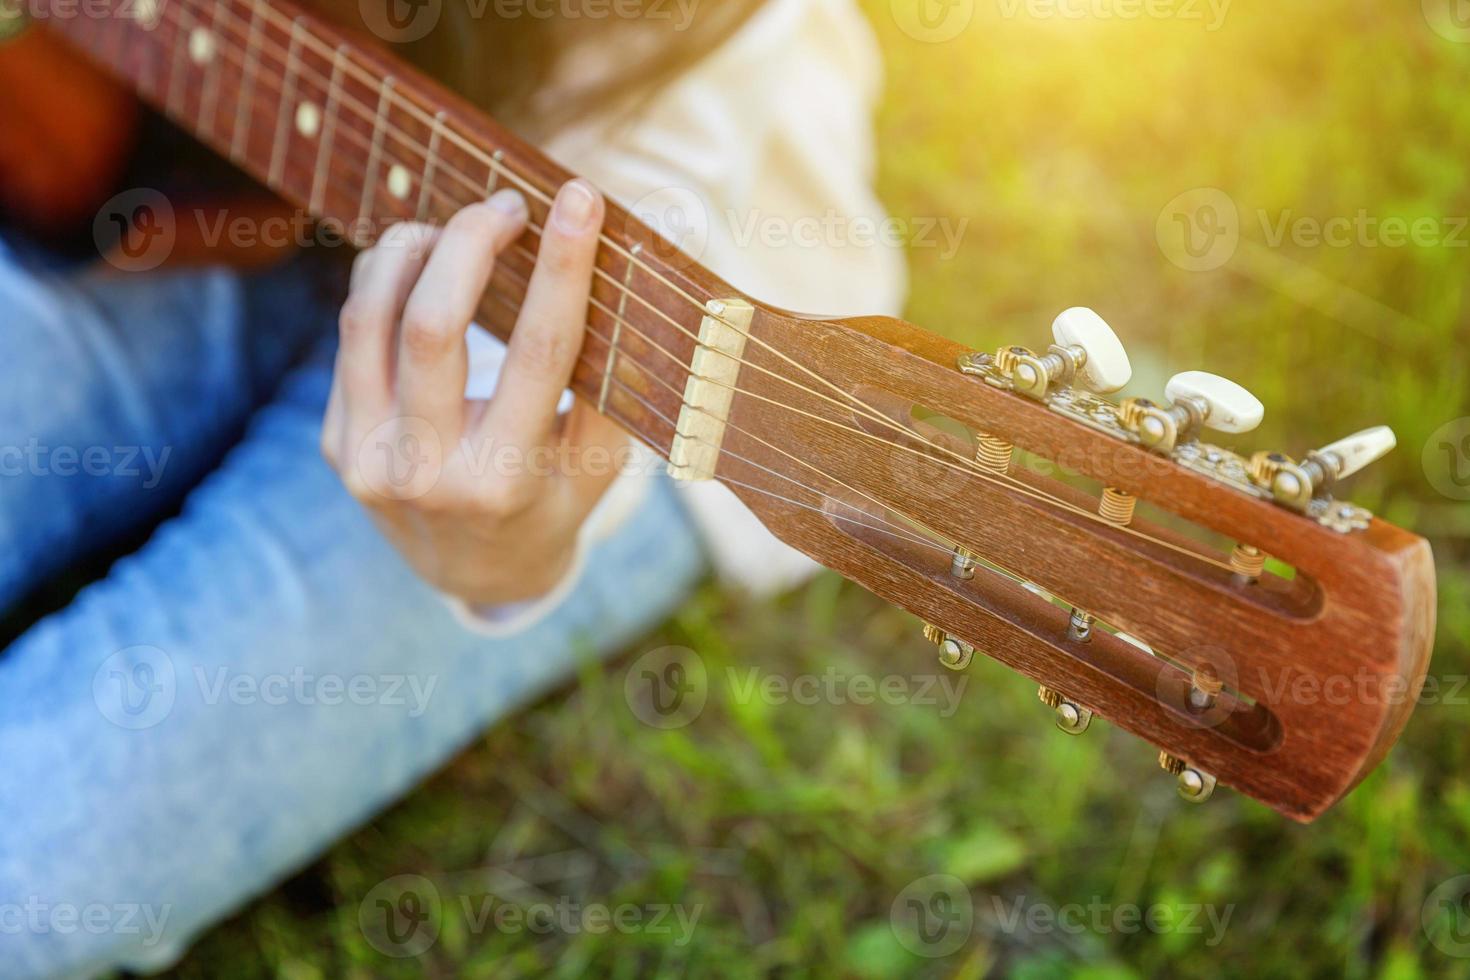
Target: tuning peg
1195, 785
1358, 450
1224, 405
1295, 484
1197, 400
1086, 350
1070, 716
954, 652
1104, 366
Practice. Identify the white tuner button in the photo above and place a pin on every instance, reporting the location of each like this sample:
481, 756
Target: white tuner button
1107, 368
1230, 407
1360, 449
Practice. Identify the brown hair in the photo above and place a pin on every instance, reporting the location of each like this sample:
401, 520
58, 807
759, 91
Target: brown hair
504, 54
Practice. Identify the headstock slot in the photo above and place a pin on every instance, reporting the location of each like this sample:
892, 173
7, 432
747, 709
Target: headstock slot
1105, 662
938, 444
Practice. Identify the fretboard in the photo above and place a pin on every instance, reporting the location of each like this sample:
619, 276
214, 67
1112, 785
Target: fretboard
362, 142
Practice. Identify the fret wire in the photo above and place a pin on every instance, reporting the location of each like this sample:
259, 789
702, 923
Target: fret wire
494, 179
329, 126
176, 75
287, 97
245, 107
429, 163
148, 67
370, 177
618, 320
209, 101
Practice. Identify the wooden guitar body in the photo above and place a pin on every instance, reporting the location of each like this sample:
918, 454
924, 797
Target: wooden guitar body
68, 129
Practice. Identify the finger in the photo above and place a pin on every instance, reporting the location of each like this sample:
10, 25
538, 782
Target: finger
432, 359
382, 278
331, 436
599, 449
548, 333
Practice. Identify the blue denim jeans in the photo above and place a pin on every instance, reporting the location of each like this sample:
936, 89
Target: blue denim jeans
265, 673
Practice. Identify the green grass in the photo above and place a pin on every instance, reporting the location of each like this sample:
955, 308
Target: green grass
793, 828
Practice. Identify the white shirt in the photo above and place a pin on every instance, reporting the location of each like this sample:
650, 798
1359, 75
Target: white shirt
764, 153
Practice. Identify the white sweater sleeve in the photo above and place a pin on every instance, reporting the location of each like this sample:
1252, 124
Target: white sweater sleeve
762, 155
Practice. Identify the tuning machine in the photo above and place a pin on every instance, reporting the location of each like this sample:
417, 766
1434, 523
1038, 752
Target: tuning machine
1197, 400
954, 652
1087, 352
1069, 716
1195, 785
1295, 484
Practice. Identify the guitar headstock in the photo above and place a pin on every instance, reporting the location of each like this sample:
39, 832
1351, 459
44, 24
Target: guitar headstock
1222, 605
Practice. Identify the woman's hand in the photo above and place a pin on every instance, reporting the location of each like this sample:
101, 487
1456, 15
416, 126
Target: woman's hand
483, 499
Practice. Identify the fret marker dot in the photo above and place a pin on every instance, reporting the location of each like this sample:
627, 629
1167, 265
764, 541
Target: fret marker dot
201, 46
308, 119
399, 182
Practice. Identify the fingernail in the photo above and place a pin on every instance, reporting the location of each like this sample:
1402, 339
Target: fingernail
508, 201
575, 207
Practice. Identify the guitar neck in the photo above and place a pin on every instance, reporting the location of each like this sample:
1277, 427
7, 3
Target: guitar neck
361, 142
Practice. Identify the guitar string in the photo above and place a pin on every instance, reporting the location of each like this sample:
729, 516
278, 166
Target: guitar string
360, 110
724, 451
988, 565
970, 467
933, 534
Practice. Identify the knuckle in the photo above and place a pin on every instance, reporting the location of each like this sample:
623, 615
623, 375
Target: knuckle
429, 333
358, 317
546, 354
408, 238
562, 255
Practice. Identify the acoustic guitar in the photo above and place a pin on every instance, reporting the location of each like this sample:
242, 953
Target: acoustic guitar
1227, 608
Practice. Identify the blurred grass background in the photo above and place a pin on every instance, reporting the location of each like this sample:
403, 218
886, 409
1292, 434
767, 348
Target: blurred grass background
793, 828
